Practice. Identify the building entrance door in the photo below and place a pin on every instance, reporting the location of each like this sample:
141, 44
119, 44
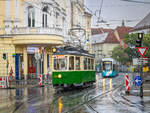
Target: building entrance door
35, 67
19, 66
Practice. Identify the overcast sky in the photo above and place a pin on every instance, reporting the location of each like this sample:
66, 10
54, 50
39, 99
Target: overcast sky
113, 11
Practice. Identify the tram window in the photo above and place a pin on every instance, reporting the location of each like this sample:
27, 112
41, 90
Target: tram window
85, 63
92, 64
77, 63
60, 64
71, 63
89, 63
107, 65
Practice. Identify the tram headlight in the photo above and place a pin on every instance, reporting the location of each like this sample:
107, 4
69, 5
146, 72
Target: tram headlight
59, 76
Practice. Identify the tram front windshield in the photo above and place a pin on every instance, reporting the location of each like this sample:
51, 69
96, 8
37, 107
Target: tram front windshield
60, 64
107, 65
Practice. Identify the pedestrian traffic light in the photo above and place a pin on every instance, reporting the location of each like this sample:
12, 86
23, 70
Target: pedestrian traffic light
4, 56
139, 40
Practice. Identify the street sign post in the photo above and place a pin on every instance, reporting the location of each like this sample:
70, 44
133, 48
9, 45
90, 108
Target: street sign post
144, 60
142, 51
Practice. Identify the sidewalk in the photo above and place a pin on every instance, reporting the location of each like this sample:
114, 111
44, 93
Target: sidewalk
134, 95
28, 83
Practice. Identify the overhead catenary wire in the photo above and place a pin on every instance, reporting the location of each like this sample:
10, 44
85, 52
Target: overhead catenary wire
119, 5
137, 1
100, 9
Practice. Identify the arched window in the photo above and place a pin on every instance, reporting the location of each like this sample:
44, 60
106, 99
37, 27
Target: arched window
44, 16
31, 17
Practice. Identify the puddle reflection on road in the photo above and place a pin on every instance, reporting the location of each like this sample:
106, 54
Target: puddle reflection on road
60, 105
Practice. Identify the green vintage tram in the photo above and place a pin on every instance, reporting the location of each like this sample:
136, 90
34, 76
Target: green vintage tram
72, 67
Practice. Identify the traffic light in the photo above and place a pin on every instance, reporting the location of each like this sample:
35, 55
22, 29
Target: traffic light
139, 40
4, 56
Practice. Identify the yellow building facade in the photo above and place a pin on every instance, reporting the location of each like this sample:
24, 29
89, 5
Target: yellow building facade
23, 33
29, 29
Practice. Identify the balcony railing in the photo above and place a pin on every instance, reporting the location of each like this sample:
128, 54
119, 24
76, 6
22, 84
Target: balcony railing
33, 31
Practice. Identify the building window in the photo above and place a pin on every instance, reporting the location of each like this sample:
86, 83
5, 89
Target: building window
44, 16
31, 17
57, 18
44, 20
63, 22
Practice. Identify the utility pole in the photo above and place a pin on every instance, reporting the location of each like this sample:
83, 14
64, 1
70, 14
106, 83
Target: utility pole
141, 88
139, 42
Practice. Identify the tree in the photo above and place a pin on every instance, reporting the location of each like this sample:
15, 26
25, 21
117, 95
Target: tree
119, 55
127, 54
130, 40
146, 43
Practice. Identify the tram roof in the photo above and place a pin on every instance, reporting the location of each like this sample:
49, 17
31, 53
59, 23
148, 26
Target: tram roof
72, 51
110, 59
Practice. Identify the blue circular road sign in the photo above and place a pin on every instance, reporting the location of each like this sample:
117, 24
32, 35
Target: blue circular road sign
138, 80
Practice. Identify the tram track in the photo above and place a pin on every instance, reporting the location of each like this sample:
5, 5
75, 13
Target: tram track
124, 102
61, 94
58, 93
100, 96
85, 89
87, 100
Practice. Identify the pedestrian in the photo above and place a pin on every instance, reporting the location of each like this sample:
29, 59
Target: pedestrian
49, 72
32, 70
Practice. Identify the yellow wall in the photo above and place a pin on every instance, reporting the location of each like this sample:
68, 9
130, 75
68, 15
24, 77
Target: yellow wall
88, 30
49, 51
20, 12
2, 15
12, 12
107, 49
6, 46
38, 39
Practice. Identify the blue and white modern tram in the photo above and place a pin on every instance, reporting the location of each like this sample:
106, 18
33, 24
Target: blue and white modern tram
109, 67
